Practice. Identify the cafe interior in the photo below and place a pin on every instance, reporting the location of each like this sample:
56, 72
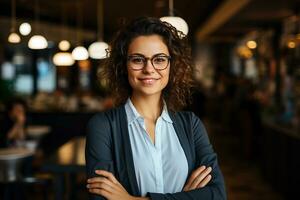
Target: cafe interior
245, 64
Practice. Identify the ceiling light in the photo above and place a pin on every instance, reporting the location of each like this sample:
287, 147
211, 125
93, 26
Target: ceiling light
291, 44
14, 38
64, 45
37, 42
63, 59
25, 28
97, 50
80, 53
251, 44
179, 23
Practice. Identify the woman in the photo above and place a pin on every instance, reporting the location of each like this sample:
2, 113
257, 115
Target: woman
12, 128
144, 148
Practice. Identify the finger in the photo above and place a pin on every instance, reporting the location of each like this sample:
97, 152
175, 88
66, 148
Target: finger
200, 177
95, 179
108, 175
102, 192
104, 183
205, 181
193, 176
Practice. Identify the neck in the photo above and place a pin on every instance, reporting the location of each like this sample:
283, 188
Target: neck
149, 107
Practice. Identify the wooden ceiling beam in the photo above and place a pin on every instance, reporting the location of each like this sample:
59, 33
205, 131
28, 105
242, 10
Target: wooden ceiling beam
222, 14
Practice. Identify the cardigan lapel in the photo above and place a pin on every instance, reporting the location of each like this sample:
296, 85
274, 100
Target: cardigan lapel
128, 158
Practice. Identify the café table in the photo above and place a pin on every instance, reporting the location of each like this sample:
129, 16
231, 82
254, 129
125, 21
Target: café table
67, 162
11, 161
37, 131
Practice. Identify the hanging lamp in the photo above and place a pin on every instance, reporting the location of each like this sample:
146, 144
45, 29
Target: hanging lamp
13, 36
37, 41
179, 23
63, 58
64, 44
97, 50
80, 52
25, 29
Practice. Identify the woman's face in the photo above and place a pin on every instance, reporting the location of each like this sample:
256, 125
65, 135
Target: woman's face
143, 53
17, 111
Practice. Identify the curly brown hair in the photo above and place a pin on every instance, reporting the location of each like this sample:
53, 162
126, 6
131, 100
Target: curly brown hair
177, 92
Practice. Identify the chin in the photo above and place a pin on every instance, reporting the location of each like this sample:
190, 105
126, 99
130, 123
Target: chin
149, 91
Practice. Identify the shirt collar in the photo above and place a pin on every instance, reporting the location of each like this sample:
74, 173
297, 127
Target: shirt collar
165, 114
132, 113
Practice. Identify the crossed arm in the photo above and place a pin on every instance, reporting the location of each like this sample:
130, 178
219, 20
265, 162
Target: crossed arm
109, 187
205, 182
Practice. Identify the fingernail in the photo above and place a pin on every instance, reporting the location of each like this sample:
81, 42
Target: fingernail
87, 186
88, 180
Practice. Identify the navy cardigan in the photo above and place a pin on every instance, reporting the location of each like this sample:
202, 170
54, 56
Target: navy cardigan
108, 148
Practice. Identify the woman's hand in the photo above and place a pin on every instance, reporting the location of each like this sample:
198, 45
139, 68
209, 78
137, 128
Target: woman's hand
198, 179
108, 186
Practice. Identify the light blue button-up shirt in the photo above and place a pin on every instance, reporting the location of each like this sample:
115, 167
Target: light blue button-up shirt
161, 167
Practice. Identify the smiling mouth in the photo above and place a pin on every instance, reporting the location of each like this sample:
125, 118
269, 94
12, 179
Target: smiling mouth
148, 81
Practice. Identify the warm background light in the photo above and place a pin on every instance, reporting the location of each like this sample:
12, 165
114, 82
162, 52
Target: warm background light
251, 44
80, 53
291, 45
64, 45
14, 38
63, 59
97, 50
25, 29
37, 42
177, 22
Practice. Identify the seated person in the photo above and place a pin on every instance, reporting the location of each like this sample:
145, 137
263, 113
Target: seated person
12, 128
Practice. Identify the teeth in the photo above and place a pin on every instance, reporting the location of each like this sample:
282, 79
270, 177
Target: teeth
148, 81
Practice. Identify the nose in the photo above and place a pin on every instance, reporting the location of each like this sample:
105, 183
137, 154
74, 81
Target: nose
148, 67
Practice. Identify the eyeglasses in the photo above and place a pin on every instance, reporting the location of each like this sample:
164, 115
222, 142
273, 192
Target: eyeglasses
158, 61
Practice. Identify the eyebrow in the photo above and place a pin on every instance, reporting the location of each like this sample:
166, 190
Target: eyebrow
139, 54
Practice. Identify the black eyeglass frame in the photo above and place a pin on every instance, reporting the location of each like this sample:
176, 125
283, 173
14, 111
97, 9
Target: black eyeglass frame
145, 60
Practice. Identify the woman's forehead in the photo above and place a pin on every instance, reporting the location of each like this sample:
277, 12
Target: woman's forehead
148, 45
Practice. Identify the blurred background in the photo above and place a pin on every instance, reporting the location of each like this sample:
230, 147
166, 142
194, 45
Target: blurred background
246, 57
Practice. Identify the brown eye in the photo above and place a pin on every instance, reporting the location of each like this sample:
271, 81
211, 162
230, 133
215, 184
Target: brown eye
160, 59
137, 60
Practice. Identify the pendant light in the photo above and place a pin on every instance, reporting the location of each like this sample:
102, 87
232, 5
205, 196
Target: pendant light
63, 45
13, 36
97, 50
179, 23
37, 41
63, 58
25, 28
80, 52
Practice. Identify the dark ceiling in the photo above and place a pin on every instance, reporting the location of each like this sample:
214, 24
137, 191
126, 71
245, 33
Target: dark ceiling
115, 11
255, 14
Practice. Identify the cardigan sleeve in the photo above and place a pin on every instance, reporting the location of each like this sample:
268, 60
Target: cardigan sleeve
98, 154
205, 155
